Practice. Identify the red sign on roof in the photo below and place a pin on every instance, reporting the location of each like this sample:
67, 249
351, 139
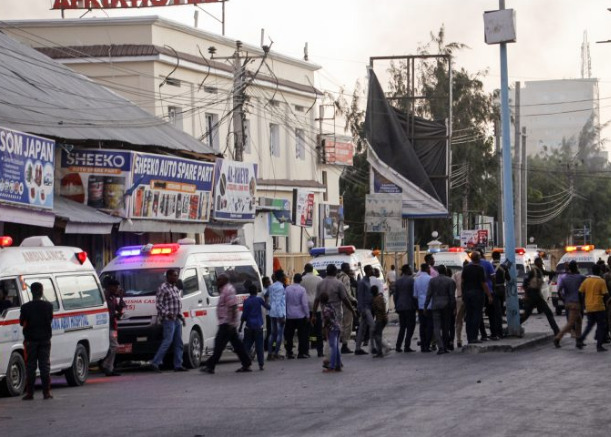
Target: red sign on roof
338, 152
124, 4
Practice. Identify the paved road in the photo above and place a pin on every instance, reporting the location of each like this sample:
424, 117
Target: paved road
541, 391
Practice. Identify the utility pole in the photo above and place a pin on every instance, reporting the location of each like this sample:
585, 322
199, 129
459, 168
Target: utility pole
499, 154
518, 167
524, 187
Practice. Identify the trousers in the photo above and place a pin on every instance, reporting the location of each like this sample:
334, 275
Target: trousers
534, 299
426, 330
227, 334
598, 318
335, 357
378, 329
574, 320
37, 354
441, 328
172, 336
109, 362
276, 335
299, 325
347, 322
474, 301
365, 324
255, 336
407, 326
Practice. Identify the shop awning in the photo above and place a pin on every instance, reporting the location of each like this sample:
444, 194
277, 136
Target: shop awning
82, 219
161, 226
25, 216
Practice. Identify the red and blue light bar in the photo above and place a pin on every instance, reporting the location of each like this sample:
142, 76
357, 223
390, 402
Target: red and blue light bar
345, 250
152, 249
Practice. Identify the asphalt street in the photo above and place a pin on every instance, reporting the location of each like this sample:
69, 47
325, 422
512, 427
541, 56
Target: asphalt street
539, 391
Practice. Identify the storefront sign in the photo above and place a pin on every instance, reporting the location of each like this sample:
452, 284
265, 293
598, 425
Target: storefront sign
27, 166
339, 152
169, 188
383, 212
98, 178
303, 208
332, 221
235, 186
124, 4
382, 184
279, 221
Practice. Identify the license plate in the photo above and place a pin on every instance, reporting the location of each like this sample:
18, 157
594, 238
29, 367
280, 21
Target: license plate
125, 348
141, 339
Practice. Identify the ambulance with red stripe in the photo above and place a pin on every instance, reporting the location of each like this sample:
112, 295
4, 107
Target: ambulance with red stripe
141, 270
80, 315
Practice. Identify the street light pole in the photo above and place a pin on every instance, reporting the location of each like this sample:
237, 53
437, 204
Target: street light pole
513, 309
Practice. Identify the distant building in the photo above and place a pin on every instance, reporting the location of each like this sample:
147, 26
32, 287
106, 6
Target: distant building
556, 110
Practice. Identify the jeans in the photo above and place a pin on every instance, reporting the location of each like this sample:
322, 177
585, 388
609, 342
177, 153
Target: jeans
378, 329
37, 354
172, 336
533, 300
573, 310
254, 336
365, 324
109, 362
276, 334
299, 325
495, 316
441, 328
228, 334
474, 301
598, 318
407, 326
426, 330
335, 360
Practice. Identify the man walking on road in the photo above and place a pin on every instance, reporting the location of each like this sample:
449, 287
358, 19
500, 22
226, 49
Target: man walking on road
474, 291
534, 299
364, 299
421, 286
36, 318
169, 308
595, 294
441, 295
405, 306
227, 315
115, 311
569, 290
310, 282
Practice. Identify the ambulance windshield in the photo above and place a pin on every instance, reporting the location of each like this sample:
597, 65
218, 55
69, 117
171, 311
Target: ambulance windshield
138, 282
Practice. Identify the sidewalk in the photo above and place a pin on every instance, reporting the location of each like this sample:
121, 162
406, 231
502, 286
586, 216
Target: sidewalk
536, 332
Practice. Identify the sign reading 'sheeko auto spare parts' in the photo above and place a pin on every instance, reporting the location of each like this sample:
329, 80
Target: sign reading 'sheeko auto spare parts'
124, 4
27, 169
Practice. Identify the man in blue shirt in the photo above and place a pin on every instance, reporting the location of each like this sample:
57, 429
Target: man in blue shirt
421, 286
253, 317
493, 310
277, 314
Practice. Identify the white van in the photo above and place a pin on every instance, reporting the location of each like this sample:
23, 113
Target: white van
585, 256
525, 258
357, 258
453, 257
141, 270
80, 319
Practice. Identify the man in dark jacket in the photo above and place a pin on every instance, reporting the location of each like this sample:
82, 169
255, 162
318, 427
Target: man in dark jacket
442, 296
405, 306
36, 318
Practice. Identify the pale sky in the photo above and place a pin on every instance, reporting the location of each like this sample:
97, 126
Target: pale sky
343, 34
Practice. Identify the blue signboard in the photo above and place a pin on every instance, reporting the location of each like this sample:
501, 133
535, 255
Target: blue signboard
98, 178
27, 167
168, 188
384, 185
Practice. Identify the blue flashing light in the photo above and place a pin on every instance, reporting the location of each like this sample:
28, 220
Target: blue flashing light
129, 251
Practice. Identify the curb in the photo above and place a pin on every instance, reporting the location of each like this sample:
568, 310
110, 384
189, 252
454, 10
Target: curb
529, 341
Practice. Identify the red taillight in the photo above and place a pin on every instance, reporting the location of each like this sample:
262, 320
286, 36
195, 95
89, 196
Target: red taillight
520, 251
456, 249
82, 257
6, 241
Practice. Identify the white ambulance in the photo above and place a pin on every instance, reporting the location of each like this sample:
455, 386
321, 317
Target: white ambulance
357, 258
525, 258
80, 319
453, 257
141, 270
585, 256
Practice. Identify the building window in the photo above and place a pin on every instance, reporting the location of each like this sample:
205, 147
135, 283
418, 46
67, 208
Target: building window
175, 116
211, 136
299, 108
173, 82
211, 90
300, 144
325, 195
274, 103
274, 139
247, 148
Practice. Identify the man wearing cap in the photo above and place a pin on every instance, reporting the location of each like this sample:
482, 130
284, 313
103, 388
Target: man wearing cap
115, 311
36, 318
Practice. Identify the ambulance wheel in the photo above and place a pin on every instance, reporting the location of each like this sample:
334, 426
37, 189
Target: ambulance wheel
14, 382
77, 374
193, 355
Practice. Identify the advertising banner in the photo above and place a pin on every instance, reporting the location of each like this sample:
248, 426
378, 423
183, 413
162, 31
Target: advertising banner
27, 169
277, 227
382, 184
97, 178
339, 152
474, 238
332, 221
383, 212
169, 188
395, 241
303, 208
124, 4
235, 186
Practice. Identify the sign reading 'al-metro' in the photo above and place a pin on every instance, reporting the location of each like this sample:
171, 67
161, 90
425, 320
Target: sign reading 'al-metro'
124, 4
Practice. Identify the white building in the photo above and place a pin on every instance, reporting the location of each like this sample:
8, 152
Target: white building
557, 110
166, 68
